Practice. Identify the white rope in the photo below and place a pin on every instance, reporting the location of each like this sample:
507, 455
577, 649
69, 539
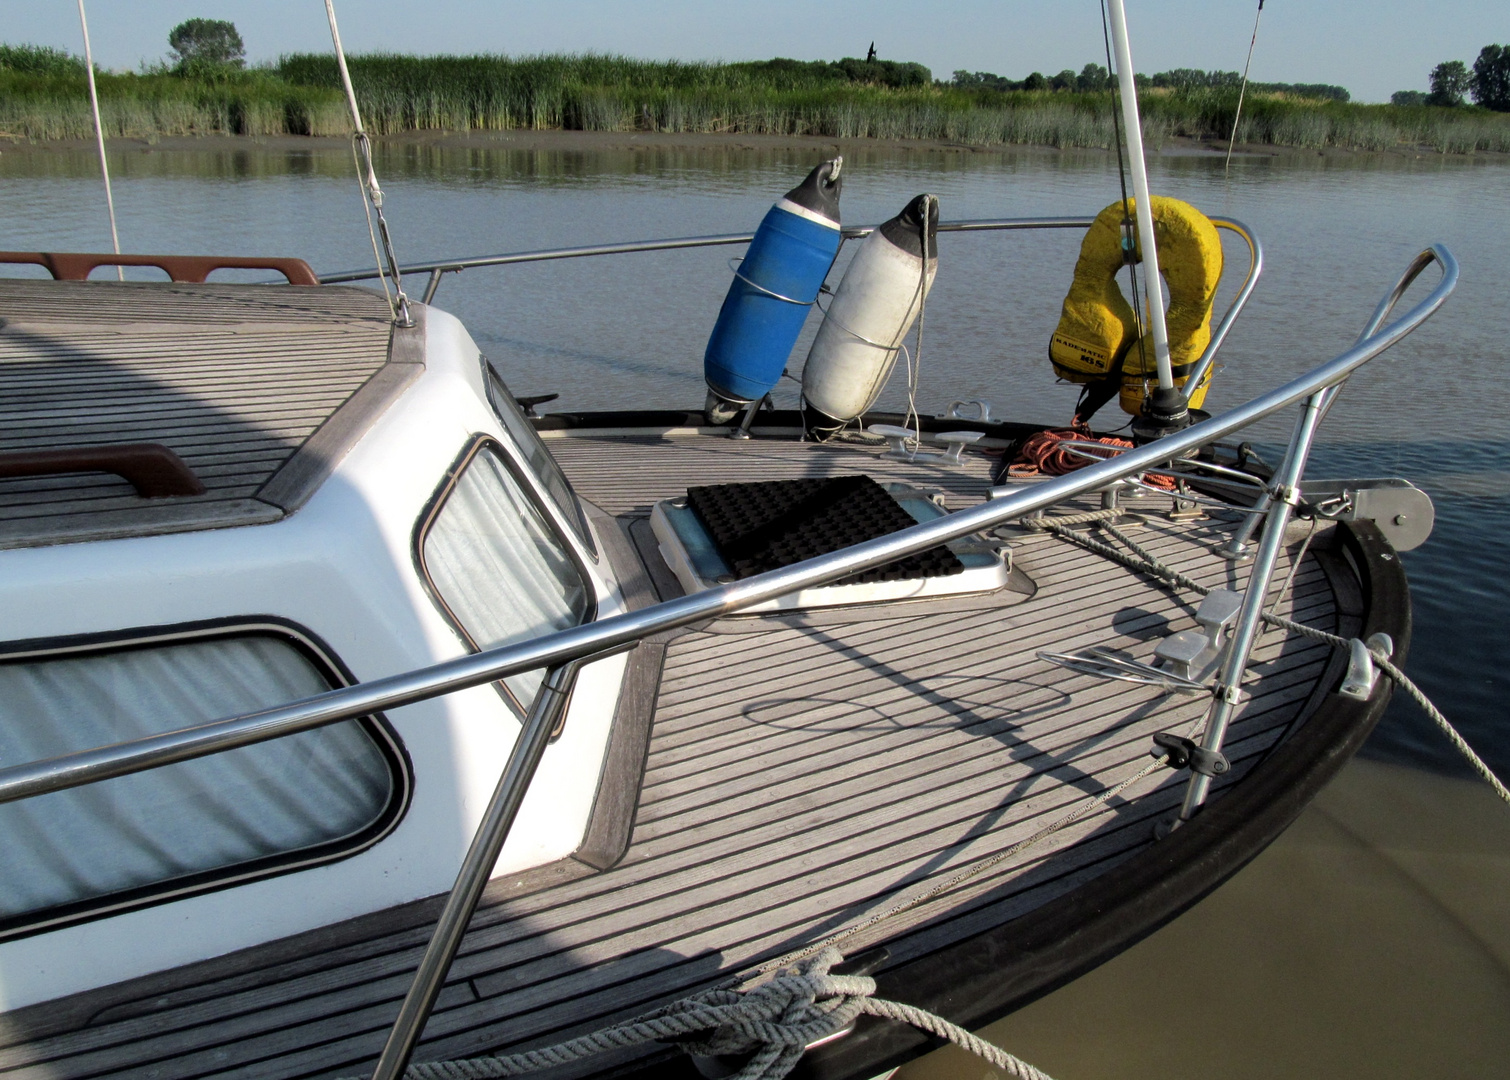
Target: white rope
1087, 518
99, 138
773, 1022
913, 422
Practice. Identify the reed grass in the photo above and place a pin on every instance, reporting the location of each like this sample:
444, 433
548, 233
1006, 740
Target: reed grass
300, 95
150, 106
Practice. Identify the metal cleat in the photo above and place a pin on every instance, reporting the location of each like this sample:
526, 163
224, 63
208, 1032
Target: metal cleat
1362, 673
1194, 655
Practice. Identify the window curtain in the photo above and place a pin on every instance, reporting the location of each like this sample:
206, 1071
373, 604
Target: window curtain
499, 568
211, 813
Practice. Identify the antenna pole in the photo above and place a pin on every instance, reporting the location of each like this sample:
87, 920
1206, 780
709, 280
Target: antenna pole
99, 138
1144, 209
1243, 90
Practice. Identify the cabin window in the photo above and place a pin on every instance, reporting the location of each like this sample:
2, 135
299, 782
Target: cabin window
197, 824
495, 564
545, 467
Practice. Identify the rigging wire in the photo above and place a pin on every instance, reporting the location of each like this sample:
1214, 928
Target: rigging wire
361, 148
1244, 88
99, 138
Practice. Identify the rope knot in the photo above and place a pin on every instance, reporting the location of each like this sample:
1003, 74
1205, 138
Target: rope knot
778, 1019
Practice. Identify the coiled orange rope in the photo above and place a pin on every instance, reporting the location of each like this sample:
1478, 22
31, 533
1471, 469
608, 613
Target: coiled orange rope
1045, 455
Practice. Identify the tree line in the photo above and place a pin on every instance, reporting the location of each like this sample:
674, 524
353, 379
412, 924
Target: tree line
1451, 81
1094, 77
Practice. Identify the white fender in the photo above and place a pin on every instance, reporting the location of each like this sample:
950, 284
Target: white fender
872, 310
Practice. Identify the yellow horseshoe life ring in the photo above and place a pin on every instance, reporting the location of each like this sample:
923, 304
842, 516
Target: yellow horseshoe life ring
1096, 338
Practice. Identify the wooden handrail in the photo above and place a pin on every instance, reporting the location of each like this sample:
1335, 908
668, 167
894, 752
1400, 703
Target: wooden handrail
155, 471
194, 269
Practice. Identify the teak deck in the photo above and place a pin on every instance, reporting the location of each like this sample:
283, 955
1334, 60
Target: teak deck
801, 772
259, 390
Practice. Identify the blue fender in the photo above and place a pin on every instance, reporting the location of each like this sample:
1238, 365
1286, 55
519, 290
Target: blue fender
774, 288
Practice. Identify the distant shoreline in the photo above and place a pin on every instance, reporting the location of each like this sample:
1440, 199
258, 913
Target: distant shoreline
563, 141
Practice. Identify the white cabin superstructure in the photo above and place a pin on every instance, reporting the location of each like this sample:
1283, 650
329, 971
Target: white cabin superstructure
336, 568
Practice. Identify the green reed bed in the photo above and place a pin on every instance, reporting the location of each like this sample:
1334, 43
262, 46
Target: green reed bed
148, 106
849, 99
1279, 120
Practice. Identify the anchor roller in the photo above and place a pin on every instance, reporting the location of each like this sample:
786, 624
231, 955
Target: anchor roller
773, 288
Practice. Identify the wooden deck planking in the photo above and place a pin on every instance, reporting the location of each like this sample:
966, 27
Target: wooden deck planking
199, 368
724, 865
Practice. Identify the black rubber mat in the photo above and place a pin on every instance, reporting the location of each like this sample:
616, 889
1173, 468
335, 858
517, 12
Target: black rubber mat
759, 527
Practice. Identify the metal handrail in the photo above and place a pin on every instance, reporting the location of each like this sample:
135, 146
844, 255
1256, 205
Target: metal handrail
1255, 268
393, 691
851, 232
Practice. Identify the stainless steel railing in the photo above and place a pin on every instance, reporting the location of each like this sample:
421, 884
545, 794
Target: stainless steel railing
850, 232
619, 631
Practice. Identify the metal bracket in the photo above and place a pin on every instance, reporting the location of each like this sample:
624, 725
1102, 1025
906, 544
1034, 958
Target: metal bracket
1183, 753
1289, 493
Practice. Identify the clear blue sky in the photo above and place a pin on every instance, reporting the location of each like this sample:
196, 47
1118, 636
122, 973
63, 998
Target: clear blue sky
1372, 48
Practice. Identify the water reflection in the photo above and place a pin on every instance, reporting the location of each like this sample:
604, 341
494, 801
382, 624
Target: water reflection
1368, 941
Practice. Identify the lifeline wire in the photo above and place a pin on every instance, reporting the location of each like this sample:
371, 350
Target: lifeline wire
99, 137
362, 150
1243, 89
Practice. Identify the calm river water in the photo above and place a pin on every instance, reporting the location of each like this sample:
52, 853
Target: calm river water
1374, 937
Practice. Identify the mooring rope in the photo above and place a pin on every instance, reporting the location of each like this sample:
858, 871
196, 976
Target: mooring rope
774, 1023
1146, 562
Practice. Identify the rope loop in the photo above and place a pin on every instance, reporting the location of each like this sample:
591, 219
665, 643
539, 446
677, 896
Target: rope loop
773, 1022
778, 1019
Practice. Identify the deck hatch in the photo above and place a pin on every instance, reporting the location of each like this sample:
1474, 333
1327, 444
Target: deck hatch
767, 525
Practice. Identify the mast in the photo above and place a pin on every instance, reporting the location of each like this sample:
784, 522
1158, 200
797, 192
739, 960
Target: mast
1144, 209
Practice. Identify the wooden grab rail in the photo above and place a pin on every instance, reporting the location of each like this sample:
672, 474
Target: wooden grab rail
155, 471
76, 266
